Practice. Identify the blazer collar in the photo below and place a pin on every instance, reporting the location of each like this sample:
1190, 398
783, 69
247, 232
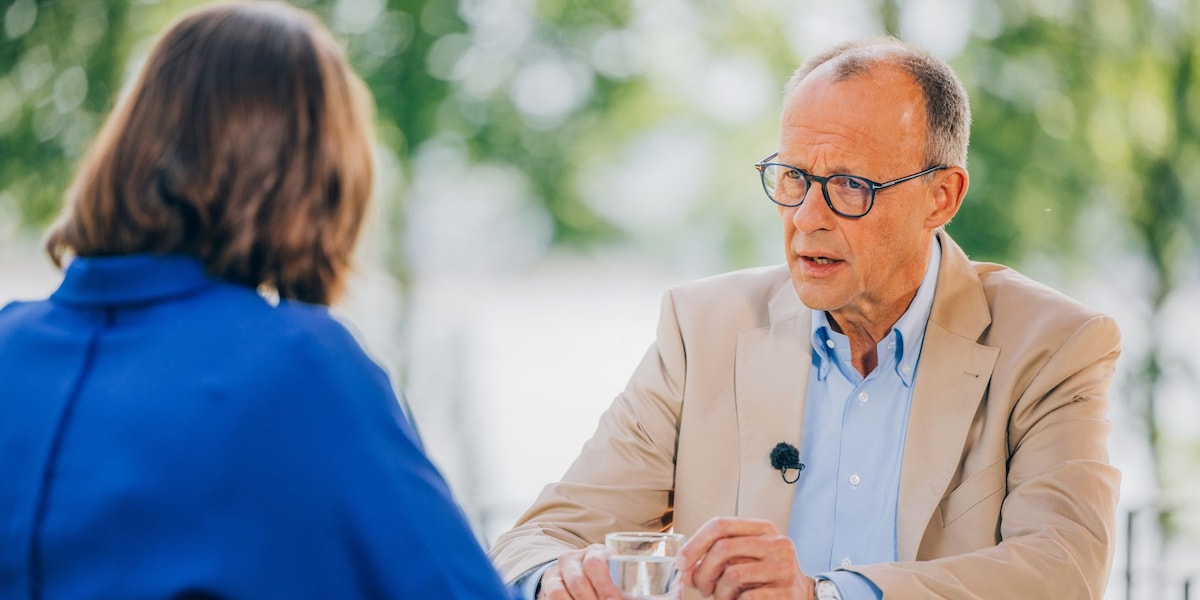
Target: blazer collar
771, 377
951, 382
959, 304
98, 281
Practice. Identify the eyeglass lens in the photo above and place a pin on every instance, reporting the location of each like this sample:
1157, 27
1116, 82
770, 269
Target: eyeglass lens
849, 195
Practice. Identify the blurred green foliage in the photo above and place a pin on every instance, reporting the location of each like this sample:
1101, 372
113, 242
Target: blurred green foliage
1078, 106
60, 66
1085, 137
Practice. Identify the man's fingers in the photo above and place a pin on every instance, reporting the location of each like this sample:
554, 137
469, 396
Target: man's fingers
802, 588
735, 549
576, 580
724, 555
552, 586
740, 578
595, 566
740, 563
715, 529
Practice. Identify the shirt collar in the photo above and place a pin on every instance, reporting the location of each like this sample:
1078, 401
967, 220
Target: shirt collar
911, 326
909, 330
824, 348
96, 281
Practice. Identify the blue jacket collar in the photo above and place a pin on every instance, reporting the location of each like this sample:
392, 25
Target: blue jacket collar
97, 281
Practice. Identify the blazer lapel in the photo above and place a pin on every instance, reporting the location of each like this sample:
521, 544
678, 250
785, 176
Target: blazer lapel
770, 379
952, 379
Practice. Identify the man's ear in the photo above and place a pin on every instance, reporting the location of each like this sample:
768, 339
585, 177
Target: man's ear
948, 190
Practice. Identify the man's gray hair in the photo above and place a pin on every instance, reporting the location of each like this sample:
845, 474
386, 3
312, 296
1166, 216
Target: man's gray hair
947, 109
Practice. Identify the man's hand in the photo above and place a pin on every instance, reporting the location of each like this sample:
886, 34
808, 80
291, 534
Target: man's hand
746, 559
580, 575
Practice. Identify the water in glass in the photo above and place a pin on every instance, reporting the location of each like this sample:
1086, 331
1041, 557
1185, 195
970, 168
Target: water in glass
644, 577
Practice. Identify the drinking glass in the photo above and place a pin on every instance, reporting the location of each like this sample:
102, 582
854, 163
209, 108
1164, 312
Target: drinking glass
642, 564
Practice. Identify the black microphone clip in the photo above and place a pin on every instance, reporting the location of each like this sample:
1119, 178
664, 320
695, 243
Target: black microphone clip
786, 457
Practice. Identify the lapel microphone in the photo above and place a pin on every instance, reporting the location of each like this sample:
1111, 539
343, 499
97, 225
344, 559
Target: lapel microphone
785, 457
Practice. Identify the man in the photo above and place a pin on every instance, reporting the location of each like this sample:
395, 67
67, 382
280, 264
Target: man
950, 415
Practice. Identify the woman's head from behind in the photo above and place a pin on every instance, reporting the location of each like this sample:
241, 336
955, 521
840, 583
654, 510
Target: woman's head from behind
245, 142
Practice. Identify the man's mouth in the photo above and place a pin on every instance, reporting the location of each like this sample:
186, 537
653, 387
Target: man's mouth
819, 260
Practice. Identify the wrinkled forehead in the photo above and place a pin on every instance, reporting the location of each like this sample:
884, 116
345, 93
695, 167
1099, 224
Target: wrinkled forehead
877, 114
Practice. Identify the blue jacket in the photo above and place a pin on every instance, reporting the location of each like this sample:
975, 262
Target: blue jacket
164, 433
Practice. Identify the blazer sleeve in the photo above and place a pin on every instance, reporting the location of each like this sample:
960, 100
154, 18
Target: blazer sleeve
623, 477
1057, 520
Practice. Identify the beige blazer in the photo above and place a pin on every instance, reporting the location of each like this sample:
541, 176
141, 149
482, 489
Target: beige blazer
1006, 490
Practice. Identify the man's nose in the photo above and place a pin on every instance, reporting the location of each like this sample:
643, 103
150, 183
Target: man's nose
813, 213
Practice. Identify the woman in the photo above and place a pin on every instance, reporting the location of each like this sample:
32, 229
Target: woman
182, 417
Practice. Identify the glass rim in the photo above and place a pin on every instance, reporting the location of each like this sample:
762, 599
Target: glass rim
644, 535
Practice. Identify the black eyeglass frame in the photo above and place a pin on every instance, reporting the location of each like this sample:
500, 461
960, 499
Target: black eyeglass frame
809, 178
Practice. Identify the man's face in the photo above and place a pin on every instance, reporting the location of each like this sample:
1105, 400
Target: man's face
873, 125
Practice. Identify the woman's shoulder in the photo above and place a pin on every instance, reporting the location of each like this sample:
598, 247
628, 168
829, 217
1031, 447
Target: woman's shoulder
286, 343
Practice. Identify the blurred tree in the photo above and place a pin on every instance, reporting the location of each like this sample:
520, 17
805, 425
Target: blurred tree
1085, 110
60, 66
1029, 87
512, 80
1151, 74
1085, 134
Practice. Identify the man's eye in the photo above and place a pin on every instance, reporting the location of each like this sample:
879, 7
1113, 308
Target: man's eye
852, 184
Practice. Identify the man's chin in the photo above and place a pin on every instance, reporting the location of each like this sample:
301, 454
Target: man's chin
816, 296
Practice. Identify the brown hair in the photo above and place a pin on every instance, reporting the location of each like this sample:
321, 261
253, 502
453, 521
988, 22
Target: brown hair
947, 108
245, 142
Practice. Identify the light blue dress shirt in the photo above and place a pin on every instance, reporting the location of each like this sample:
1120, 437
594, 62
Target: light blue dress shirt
844, 511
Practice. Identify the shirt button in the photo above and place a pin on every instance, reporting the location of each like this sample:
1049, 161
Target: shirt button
846, 562
891, 345
830, 344
863, 397
905, 368
855, 480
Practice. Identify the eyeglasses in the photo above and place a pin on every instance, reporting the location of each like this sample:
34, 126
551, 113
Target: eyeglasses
849, 196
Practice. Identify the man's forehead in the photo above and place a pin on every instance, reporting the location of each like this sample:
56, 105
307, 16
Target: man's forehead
858, 61
883, 88
877, 115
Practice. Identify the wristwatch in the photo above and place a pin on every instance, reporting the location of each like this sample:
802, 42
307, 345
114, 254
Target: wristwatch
827, 590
